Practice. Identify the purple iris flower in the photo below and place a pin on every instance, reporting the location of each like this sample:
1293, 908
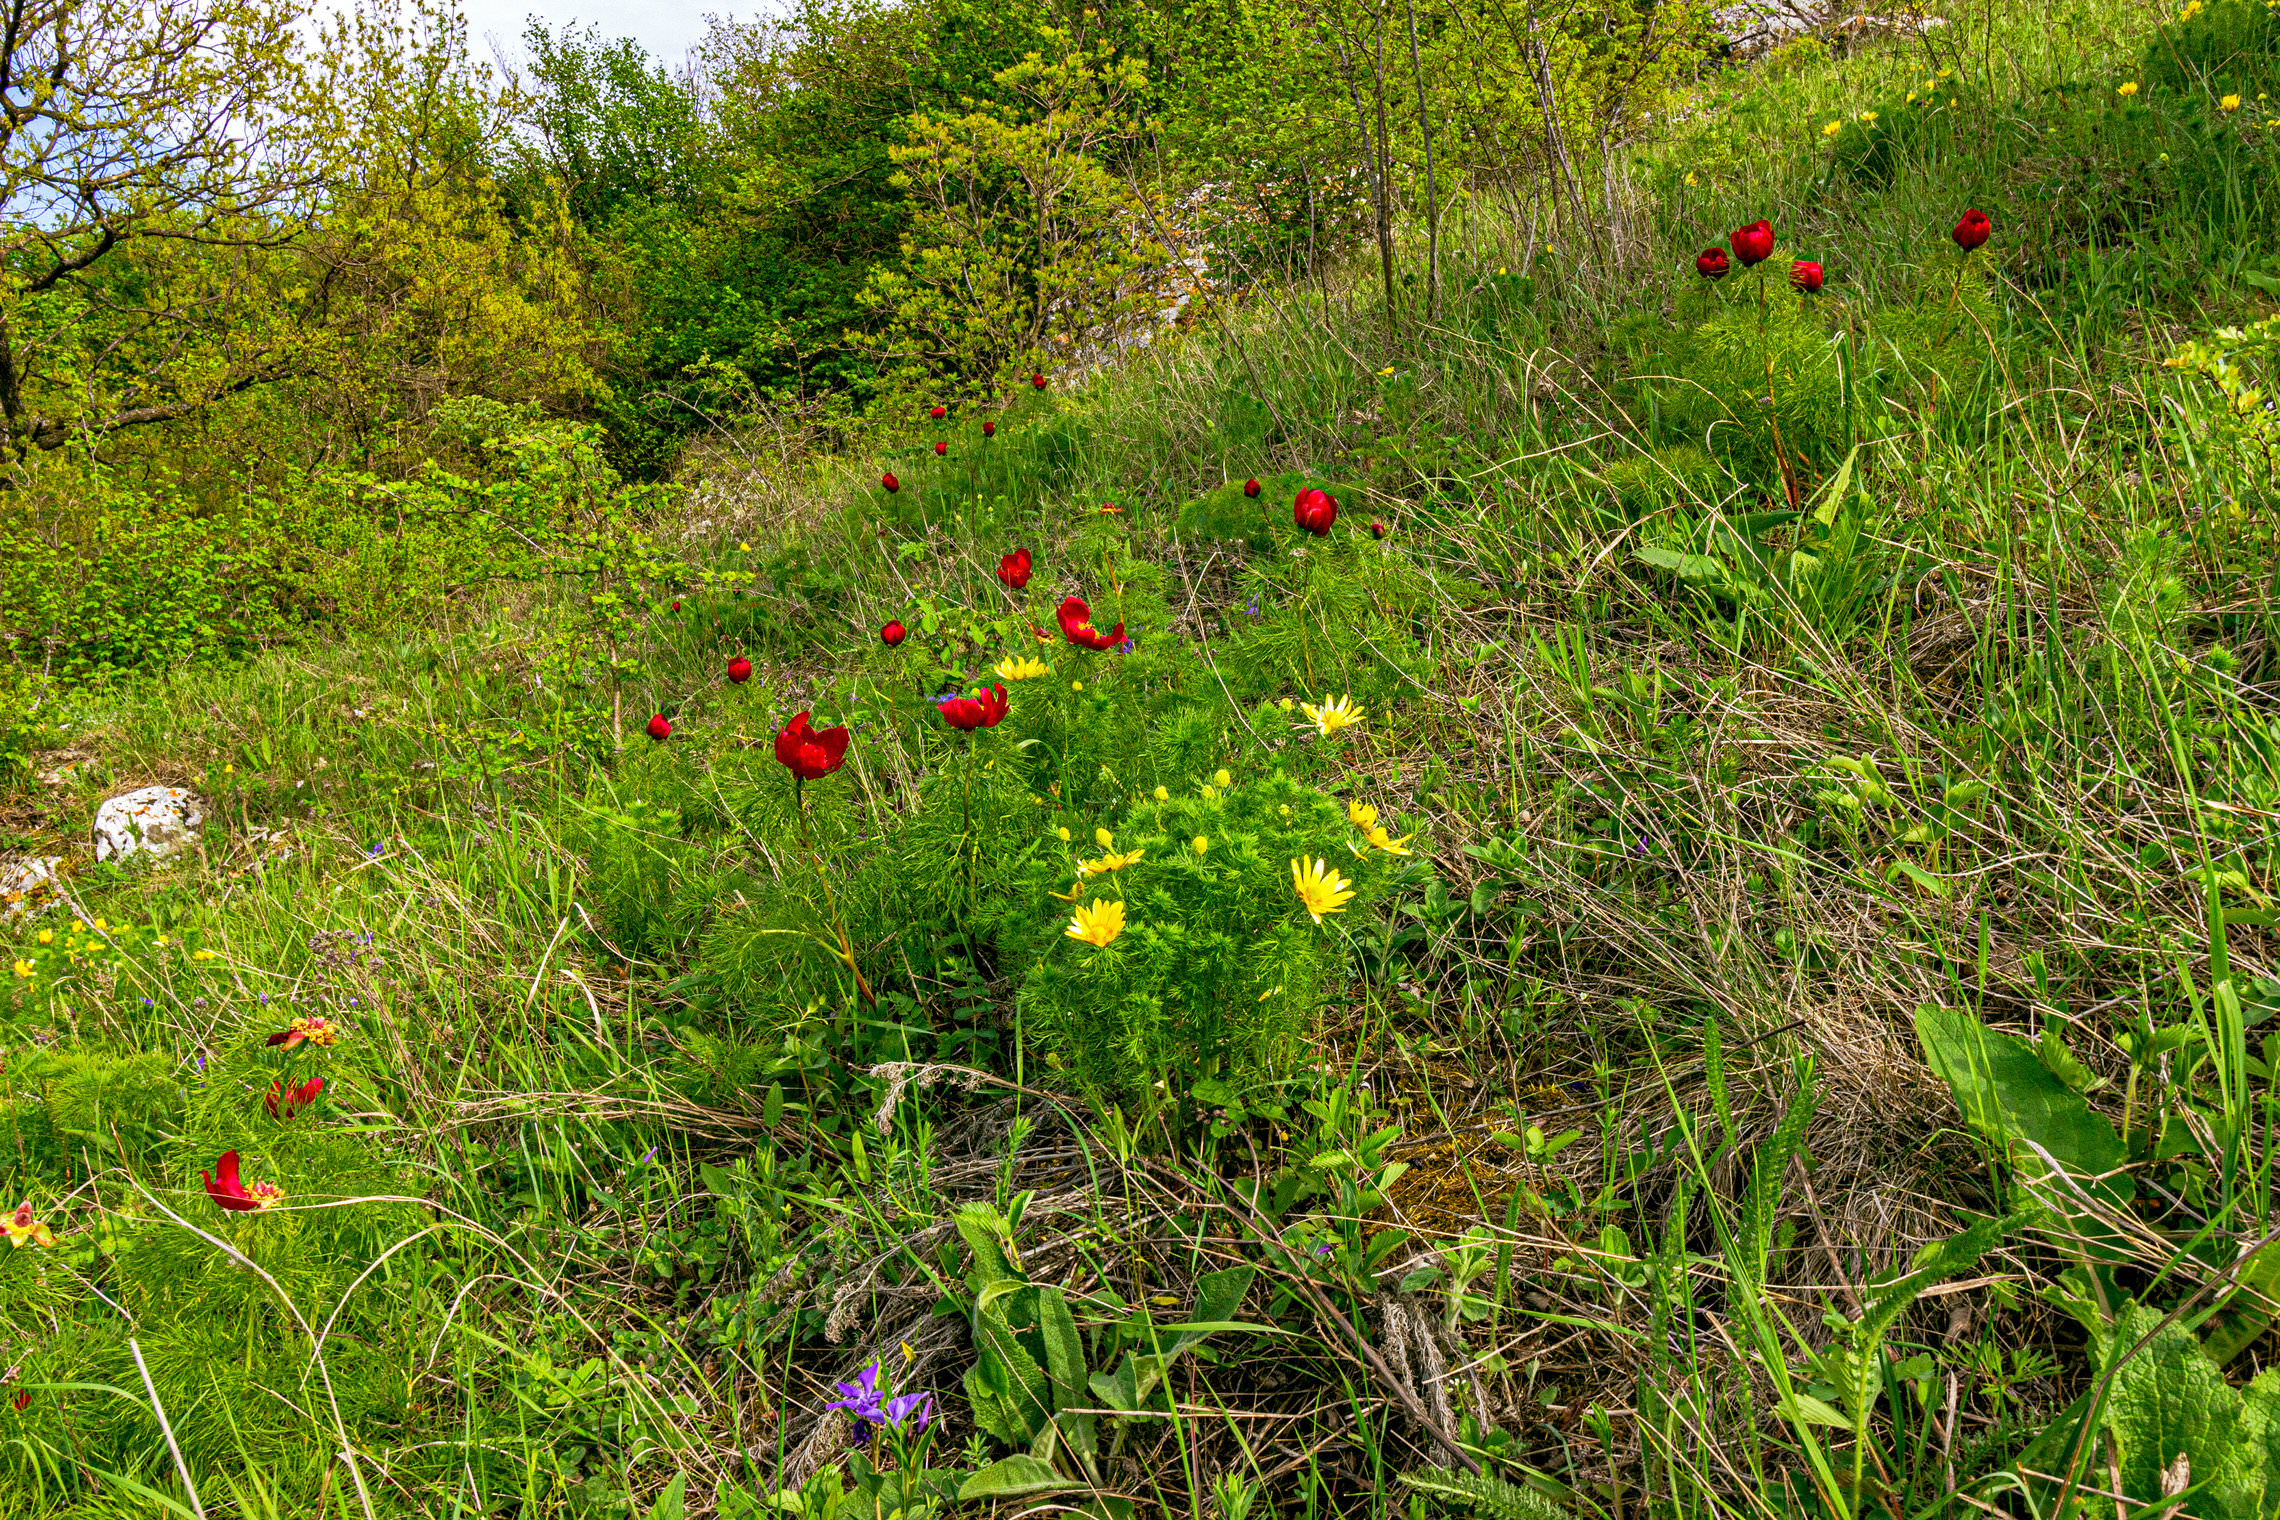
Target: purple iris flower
897, 1411
862, 1399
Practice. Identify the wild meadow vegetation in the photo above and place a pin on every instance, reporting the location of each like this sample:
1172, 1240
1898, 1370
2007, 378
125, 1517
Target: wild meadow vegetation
1282, 759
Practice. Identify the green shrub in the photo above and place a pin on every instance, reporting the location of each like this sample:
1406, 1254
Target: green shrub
1219, 971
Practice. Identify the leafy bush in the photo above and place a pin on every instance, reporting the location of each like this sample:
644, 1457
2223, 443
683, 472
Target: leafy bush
1219, 970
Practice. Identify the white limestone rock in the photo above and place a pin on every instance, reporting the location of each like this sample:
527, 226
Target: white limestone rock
28, 886
157, 819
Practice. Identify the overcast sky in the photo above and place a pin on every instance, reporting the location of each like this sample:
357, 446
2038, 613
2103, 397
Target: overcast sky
668, 28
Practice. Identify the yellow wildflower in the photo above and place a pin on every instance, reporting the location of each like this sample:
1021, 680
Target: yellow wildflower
1319, 887
1063, 831
47, 936
1380, 840
1333, 714
1832, 129
202, 955
1028, 668
1163, 794
1098, 924
1221, 779
1200, 844
2229, 103
2129, 87
1104, 839
23, 968
1869, 117
1076, 686
1361, 815
1107, 863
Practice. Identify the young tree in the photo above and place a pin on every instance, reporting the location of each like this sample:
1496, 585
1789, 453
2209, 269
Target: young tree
151, 153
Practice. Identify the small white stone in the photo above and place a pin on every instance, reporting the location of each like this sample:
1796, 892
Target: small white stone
159, 819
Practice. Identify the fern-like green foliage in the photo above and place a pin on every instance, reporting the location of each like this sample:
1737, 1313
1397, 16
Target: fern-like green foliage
1484, 1494
1220, 969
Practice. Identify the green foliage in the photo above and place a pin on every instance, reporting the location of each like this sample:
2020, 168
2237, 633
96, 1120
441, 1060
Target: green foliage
2217, 48
1483, 1493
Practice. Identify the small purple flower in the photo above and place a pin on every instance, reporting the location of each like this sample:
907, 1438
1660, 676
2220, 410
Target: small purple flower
1324, 1249
897, 1411
862, 1395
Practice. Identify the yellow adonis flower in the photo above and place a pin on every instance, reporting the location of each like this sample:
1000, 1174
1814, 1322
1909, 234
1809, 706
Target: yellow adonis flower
2128, 88
1322, 889
1199, 844
1361, 815
1098, 924
1027, 668
1832, 129
1104, 839
1162, 794
1109, 862
1221, 779
1333, 714
47, 936
2229, 103
1380, 840
23, 968
22, 1228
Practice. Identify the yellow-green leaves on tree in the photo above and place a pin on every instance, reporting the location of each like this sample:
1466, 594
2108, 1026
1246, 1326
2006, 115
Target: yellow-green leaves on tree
1025, 248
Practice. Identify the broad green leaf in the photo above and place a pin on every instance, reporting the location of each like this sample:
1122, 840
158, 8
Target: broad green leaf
1693, 569
2010, 1096
1064, 1352
1011, 1478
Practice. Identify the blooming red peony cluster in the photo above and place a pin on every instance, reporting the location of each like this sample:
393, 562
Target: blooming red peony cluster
1753, 244
1314, 511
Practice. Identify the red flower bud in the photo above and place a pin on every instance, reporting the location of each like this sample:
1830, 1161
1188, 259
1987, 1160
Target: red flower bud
659, 729
941, 449
1038, 381
893, 634
740, 670
1973, 231
1711, 263
939, 413
1753, 244
984, 709
1315, 510
809, 754
1251, 489
284, 1102
888, 480
1075, 619
1013, 569
1806, 276
676, 606
989, 430
1379, 530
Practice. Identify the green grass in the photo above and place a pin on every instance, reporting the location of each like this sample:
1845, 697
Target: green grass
1614, 1095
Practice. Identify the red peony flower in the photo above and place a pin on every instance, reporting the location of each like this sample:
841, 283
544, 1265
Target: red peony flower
1315, 510
659, 729
1973, 231
989, 430
1013, 569
225, 1188
893, 634
808, 754
1711, 263
1806, 276
939, 413
888, 480
983, 709
676, 606
22, 1401
284, 1102
1037, 381
1075, 619
1753, 244
1251, 489
1379, 530
941, 449
740, 670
